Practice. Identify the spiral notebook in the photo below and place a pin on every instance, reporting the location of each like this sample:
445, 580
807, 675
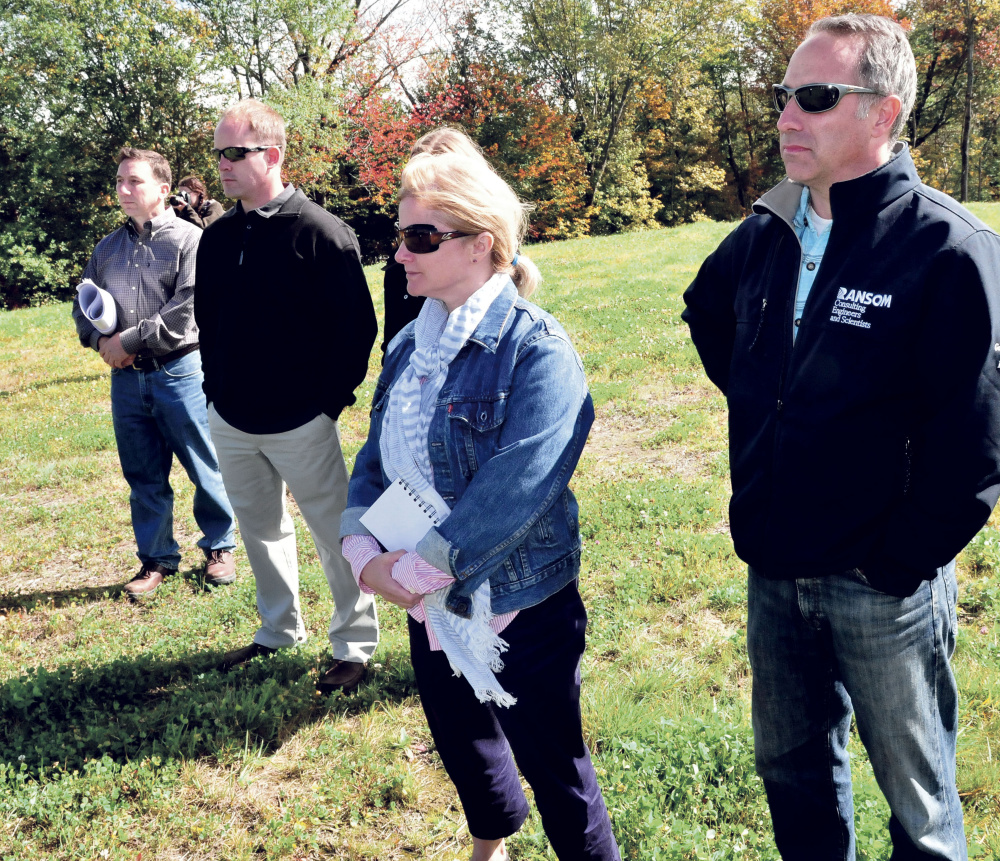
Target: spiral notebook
399, 518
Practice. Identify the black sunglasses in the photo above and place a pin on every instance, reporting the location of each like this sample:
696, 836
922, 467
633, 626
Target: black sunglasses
816, 98
424, 238
238, 153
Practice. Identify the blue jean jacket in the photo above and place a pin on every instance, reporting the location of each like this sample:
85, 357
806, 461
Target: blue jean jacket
507, 431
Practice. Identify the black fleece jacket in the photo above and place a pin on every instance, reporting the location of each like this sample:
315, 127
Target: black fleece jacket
874, 441
286, 319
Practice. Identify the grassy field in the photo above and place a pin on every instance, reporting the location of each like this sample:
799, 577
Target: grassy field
118, 739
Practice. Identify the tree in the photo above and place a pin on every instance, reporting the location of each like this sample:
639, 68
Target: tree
681, 153
735, 86
520, 134
957, 49
970, 50
593, 57
280, 44
78, 81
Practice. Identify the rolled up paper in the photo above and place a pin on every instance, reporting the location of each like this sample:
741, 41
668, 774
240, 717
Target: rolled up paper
97, 306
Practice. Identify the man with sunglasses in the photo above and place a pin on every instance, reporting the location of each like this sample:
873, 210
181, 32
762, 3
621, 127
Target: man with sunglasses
287, 326
853, 322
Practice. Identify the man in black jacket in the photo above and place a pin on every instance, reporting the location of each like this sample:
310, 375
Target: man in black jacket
853, 323
287, 326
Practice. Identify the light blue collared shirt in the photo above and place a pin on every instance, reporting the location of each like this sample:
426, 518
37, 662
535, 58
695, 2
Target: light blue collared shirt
813, 232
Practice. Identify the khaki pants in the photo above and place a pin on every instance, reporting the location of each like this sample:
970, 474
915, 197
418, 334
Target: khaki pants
256, 469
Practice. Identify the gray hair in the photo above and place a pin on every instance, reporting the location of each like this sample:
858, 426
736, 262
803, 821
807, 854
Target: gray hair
886, 63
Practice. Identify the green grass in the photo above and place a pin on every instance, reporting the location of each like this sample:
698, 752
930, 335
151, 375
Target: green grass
988, 212
119, 740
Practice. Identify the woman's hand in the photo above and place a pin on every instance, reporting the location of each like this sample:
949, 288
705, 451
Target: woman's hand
377, 576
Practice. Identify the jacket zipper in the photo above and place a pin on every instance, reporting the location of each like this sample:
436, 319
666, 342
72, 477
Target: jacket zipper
760, 324
908, 449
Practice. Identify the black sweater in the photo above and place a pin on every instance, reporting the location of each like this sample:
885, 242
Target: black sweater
285, 316
400, 307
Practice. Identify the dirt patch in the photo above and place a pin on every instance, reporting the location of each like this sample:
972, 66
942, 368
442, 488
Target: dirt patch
706, 623
618, 436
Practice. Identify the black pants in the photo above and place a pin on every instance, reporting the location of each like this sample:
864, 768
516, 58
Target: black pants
543, 731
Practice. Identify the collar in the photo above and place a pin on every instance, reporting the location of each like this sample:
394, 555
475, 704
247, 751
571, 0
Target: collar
273, 206
865, 194
151, 227
799, 220
487, 333
804, 221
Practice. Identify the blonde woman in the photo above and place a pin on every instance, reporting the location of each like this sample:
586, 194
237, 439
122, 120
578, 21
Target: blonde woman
401, 306
482, 409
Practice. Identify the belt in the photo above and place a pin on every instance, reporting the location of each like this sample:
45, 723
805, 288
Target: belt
156, 363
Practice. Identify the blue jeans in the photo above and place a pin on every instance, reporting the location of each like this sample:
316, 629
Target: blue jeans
156, 415
823, 648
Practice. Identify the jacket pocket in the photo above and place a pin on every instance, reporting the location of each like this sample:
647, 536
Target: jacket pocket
476, 426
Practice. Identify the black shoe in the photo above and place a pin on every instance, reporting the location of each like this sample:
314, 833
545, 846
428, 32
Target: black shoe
239, 657
342, 676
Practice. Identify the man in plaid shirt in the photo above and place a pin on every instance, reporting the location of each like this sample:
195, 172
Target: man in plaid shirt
157, 403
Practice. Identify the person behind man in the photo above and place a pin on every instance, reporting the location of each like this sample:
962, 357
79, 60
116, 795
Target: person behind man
199, 209
853, 322
157, 404
287, 327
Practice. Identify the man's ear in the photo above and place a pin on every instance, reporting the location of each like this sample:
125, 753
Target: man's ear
273, 156
886, 112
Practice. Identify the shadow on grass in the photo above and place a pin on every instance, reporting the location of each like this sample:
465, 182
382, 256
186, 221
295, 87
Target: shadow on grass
5, 394
57, 598
140, 707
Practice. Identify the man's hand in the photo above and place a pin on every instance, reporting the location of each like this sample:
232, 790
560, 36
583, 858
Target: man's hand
377, 576
113, 353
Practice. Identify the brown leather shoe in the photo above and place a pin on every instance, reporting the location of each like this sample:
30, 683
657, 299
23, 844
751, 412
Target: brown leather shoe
341, 676
149, 577
220, 568
244, 655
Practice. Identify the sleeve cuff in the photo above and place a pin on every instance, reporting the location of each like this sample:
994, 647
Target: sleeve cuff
359, 550
131, 342
419, 577
350, 522
438, 551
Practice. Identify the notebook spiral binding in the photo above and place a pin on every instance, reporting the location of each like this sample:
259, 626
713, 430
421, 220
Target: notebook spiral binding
424, 506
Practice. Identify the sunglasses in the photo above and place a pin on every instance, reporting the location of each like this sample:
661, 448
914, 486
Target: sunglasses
816, 98
424, 238
238, 153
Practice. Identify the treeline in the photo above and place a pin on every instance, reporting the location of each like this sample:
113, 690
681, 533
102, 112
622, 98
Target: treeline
610, 114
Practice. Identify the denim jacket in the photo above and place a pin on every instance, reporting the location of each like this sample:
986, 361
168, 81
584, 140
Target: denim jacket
508, 429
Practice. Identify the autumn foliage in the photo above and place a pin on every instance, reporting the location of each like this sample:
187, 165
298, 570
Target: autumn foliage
525, 139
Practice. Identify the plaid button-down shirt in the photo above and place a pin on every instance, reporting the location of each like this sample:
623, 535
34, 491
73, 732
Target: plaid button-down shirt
151, 277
